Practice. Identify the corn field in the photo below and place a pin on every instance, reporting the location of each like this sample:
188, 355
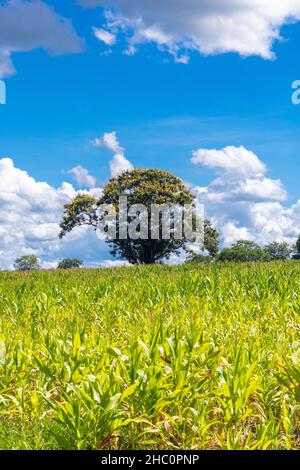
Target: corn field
186, 357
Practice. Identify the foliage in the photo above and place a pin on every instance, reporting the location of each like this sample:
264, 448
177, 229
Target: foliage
244, 251
278, 251
211, 245
298, 245
211, 239
198, 258
297, 249
70, 263
81, 211
151, 357
147, 187
27, 263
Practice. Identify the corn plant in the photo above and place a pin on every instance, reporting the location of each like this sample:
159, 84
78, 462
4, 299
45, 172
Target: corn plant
160, 357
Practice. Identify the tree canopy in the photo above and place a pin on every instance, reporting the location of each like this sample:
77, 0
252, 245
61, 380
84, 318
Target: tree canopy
27, 263
278, 251
244, 251
70, 263
297, 249
149, 187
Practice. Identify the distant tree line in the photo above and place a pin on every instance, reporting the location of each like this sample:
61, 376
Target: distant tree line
155, 187
247, 251
241, 251
32, 263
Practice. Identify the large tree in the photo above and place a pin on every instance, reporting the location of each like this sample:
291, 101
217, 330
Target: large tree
148, 187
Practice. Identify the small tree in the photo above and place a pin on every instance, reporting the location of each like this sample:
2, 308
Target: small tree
244, 251
27, 263
278, 251
70, 263
297, 249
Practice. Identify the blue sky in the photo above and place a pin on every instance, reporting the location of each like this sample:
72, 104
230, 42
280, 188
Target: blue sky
161, 110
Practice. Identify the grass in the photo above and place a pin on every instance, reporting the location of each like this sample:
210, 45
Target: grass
188, 357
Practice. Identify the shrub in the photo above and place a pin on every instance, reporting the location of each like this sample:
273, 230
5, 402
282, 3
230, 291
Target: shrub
244, 251
27, 263
70, 264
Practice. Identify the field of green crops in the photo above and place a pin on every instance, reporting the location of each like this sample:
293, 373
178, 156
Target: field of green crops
188, 357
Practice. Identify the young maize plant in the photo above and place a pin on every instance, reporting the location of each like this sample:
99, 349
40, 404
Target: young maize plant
186, 357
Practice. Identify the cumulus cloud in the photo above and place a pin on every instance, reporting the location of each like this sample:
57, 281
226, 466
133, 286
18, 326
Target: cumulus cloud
82, 176
247, 27
119, 163
30, 212
242, 200
28, 25
110, 141
105, 36
236, 161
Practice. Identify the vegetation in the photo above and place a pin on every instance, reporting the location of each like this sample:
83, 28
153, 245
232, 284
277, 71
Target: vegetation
298, 245
244, 251
147, 357
27, 263
278, 251
147, 187
198, 258
211, 239
297, 249
70, 263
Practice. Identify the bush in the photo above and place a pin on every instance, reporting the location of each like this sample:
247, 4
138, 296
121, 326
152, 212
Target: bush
27, 263
196, 258
70, 264
244, 251
278, 251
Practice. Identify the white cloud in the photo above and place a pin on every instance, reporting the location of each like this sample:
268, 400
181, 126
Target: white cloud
242, 204
105, 36
242, 201
28, 25
83, 177
110, 141
236, 161
119, 163
30, 213
248, 27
